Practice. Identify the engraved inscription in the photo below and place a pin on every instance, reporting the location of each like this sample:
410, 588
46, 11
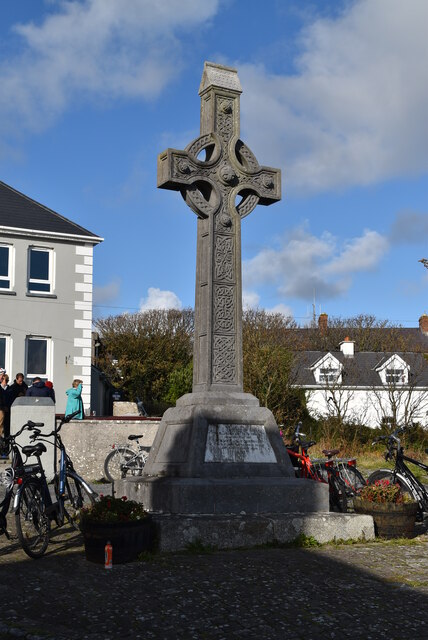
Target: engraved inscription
224, 309
238, 443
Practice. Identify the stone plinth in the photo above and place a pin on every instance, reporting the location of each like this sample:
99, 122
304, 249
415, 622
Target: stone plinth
36, 410
221, 453
176, 533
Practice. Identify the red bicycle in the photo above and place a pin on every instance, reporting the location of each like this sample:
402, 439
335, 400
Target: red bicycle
318, 470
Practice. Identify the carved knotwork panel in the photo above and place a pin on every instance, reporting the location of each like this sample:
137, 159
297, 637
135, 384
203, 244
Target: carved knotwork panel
224, 308
223, 258
225, 117
224, 359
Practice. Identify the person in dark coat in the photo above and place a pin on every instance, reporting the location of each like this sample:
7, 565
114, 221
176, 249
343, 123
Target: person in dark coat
16, 390
49, 385
38, 389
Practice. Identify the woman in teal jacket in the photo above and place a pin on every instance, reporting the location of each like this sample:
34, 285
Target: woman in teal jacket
74, 402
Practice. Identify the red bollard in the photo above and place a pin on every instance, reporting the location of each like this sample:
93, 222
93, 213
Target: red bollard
108, 556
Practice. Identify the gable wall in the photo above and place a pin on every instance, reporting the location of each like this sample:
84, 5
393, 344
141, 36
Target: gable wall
65, 318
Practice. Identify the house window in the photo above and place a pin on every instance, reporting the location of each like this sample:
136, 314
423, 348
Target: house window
40, 270
3, 354
329, 375
394, 376
38, 357
5, 266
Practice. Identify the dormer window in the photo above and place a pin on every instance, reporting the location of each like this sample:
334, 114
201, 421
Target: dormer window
394, 376
327, 370
394, 371
329, 375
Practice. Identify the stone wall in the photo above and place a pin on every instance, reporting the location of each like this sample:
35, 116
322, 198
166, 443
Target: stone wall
89, 441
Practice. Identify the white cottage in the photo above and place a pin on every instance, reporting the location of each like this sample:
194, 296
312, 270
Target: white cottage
46, 266
368, 388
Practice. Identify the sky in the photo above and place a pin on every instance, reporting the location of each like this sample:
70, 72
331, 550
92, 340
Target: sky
335, 94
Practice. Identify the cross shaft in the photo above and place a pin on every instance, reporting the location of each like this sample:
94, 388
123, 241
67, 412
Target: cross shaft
211, 187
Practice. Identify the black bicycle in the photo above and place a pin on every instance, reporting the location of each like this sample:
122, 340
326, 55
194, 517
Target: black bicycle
401, 474
33, 524
72, 492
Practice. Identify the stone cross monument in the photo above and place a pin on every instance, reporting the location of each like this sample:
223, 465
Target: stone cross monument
218, 451
210, 187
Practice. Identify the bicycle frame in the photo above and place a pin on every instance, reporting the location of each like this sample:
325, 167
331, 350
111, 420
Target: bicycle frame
401, 471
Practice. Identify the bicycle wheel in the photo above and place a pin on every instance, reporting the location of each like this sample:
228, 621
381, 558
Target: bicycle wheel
114, 463
76, 497
32, 522
337, 494
353, 479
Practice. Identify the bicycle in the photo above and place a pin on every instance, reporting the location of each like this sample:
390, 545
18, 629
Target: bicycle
124, 460
29, 507
401, 474
72, 492
320, 471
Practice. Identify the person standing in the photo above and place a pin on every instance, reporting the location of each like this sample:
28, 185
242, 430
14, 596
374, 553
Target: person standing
38, 389
74, 401
49, 385
17, 389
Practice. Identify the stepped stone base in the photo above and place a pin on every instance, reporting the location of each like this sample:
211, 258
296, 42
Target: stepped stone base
177, 533
225, 496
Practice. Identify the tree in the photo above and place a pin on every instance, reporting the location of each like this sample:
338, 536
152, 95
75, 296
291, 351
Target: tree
142, 350
268, 355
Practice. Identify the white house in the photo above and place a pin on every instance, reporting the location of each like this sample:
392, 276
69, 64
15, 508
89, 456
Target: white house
46, 267
368, 388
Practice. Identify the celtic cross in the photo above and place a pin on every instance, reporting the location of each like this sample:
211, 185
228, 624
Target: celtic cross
221, 188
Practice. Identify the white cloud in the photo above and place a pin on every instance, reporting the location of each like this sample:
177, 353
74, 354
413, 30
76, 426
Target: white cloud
281, 308
355, 111
94, 49
157, 299
359, 254
304, 266
250, 299
107, 293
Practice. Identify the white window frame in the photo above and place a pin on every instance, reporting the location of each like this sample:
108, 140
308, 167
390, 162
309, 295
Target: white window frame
51, 273
10, 268
8, 353
394, 364
46, 375
395, 376
328, 375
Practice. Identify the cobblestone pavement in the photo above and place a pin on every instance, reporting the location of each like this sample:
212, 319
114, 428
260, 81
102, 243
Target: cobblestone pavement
367, 591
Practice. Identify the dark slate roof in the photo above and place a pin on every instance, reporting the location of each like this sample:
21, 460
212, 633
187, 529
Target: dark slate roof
408, 339
359, 370
19, 211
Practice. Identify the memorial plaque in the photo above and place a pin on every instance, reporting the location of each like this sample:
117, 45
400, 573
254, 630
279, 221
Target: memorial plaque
238, 443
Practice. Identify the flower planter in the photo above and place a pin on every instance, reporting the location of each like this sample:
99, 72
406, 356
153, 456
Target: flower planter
390, 520
128, 539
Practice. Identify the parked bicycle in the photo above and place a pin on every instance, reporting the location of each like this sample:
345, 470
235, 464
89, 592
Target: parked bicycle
123, 460
401, 474
33, 524
72, 492
318, 470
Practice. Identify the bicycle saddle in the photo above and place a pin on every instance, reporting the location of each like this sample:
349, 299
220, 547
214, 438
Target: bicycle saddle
34, 449
330, 452
135, 437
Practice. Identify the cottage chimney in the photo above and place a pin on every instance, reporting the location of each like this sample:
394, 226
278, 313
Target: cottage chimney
323, 323
423, 324
347, 347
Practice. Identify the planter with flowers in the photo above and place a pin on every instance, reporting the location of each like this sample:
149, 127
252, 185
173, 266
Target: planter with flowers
393, 511
124, 523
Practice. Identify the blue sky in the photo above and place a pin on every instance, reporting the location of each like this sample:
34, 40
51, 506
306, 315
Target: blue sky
334, 93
